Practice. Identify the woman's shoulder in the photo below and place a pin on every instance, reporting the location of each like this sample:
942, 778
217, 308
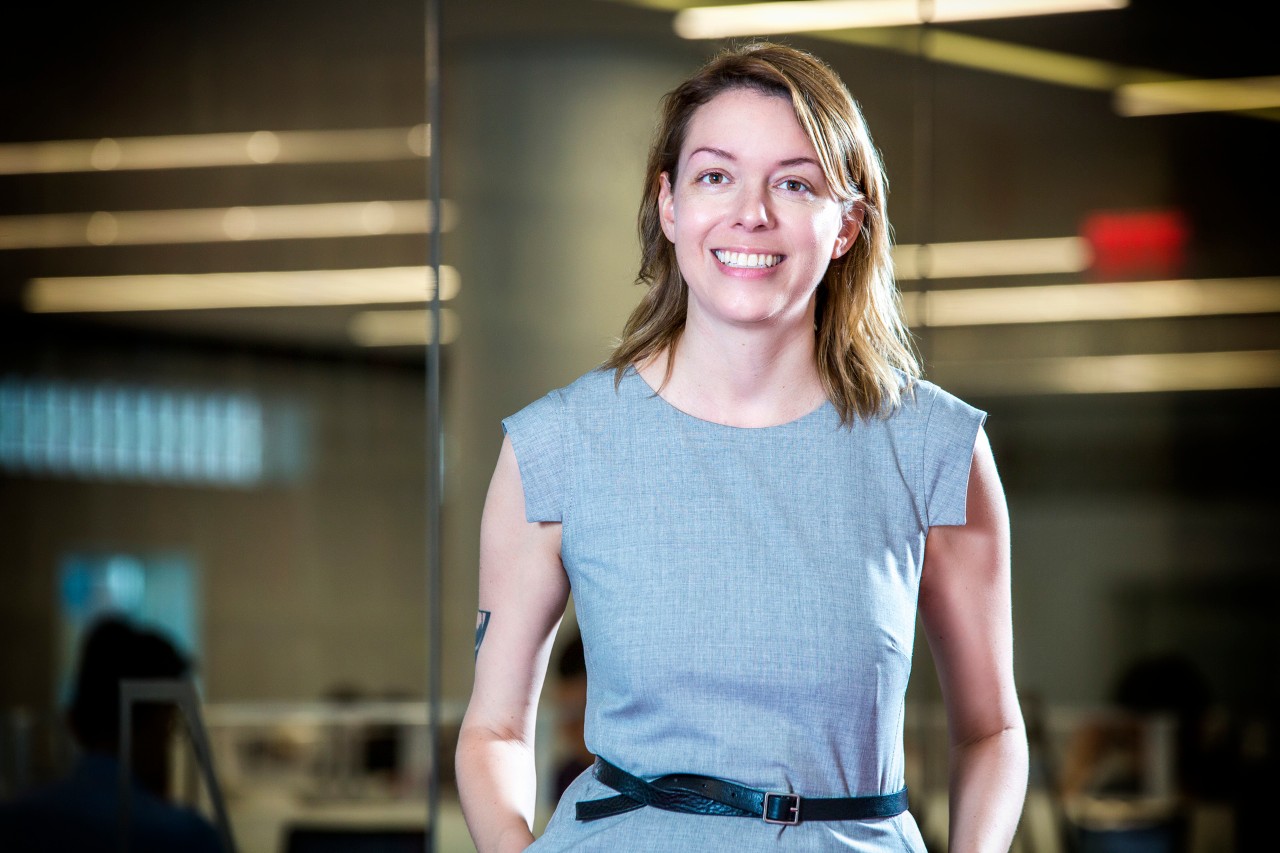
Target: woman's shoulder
589, 393
593, 386
923, 399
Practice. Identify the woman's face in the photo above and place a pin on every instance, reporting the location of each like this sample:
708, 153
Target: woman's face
753, 221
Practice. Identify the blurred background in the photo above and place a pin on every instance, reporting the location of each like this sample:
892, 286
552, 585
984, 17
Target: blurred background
215, 246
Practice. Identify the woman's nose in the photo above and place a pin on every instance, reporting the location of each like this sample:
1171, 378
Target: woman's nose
752, 211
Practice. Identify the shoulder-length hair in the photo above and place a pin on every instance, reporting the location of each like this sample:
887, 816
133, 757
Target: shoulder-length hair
863, 348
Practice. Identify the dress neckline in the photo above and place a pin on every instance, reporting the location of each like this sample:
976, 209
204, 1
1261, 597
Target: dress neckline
649, 391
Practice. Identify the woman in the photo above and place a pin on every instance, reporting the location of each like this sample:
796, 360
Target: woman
747, 502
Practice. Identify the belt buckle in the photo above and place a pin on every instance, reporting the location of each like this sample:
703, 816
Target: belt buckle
793, 808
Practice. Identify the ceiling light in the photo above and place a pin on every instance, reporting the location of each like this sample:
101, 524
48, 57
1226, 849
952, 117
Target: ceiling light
1068, 303
1115, 374
991, 258
294, 289
215, 149
218, 224
1195, 96
401, 328
710, 22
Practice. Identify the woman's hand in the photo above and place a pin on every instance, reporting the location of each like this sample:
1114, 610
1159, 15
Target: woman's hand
523, 592
966, 609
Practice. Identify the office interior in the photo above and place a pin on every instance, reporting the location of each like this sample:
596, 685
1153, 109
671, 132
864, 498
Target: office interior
220, 252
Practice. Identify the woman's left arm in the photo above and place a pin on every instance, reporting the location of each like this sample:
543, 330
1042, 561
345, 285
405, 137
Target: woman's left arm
966, 607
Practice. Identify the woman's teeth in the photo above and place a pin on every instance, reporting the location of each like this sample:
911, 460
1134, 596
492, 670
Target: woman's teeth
747, 261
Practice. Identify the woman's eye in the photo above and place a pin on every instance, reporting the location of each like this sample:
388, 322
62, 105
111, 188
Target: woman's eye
713, 178
795, 186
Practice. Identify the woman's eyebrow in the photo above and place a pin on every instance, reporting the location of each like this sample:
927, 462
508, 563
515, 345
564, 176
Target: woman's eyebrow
798, 161
725, 155
715, 152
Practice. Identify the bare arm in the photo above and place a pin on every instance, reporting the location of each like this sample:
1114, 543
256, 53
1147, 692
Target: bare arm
523, 589
966, 608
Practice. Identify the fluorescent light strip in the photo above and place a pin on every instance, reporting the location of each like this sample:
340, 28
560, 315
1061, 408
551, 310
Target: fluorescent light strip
1116, 374
219, 224
1068, 303
1029, 63
992, 258
215, 149
292, 289
1045, 66
1192, 96
401, 328
713, 22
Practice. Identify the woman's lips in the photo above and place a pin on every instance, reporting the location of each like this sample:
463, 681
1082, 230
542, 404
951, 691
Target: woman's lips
747, 260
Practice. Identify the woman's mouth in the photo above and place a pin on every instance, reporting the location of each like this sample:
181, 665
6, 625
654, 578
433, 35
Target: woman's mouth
746, 260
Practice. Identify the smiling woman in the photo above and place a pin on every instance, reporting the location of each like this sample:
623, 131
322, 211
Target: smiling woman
748, 501
752, 219
754, 104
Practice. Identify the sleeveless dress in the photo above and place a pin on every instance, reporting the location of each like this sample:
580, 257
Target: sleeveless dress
746, 599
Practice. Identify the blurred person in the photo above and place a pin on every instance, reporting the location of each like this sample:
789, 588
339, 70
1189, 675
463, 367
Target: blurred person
82, 811
749, 500
1131, 777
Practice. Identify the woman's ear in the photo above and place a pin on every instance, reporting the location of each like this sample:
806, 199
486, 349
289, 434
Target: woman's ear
667, 207
849, 230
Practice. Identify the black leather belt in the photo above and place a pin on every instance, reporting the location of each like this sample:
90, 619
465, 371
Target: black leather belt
693, 794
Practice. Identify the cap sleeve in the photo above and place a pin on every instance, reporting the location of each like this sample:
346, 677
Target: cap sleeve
949, 437
536, 434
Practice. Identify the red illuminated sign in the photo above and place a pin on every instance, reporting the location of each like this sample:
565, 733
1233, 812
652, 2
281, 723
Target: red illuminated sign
1138, 244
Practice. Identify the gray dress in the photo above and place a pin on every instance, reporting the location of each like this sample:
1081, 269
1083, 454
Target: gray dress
746, 597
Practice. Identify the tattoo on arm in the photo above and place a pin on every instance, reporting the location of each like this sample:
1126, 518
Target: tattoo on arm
482, 625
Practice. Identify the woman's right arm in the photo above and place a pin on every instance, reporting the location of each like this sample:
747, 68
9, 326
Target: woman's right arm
523, 592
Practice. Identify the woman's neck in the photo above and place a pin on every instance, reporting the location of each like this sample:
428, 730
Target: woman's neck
740, 377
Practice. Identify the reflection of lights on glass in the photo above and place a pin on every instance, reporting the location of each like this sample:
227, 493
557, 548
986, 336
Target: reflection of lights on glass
105, 431
193, 151
102, 438
377, 217
238, 290
10, 410
238, 223
101, 229
420, 140
84, 422
145, 450
105, 154
188, 436
77, 588
982, 258
1116, 374
55, 444
401, 328
33, 428
124, 582
168, 436
256, 442
1095, 301
263, 147
209, 422
219, 224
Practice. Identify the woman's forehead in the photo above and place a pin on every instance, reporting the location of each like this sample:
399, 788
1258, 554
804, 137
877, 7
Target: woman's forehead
742, 122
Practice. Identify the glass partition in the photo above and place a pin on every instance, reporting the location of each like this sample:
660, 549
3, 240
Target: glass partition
216, 276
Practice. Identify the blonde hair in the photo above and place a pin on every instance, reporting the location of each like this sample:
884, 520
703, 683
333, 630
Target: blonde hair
863, 348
